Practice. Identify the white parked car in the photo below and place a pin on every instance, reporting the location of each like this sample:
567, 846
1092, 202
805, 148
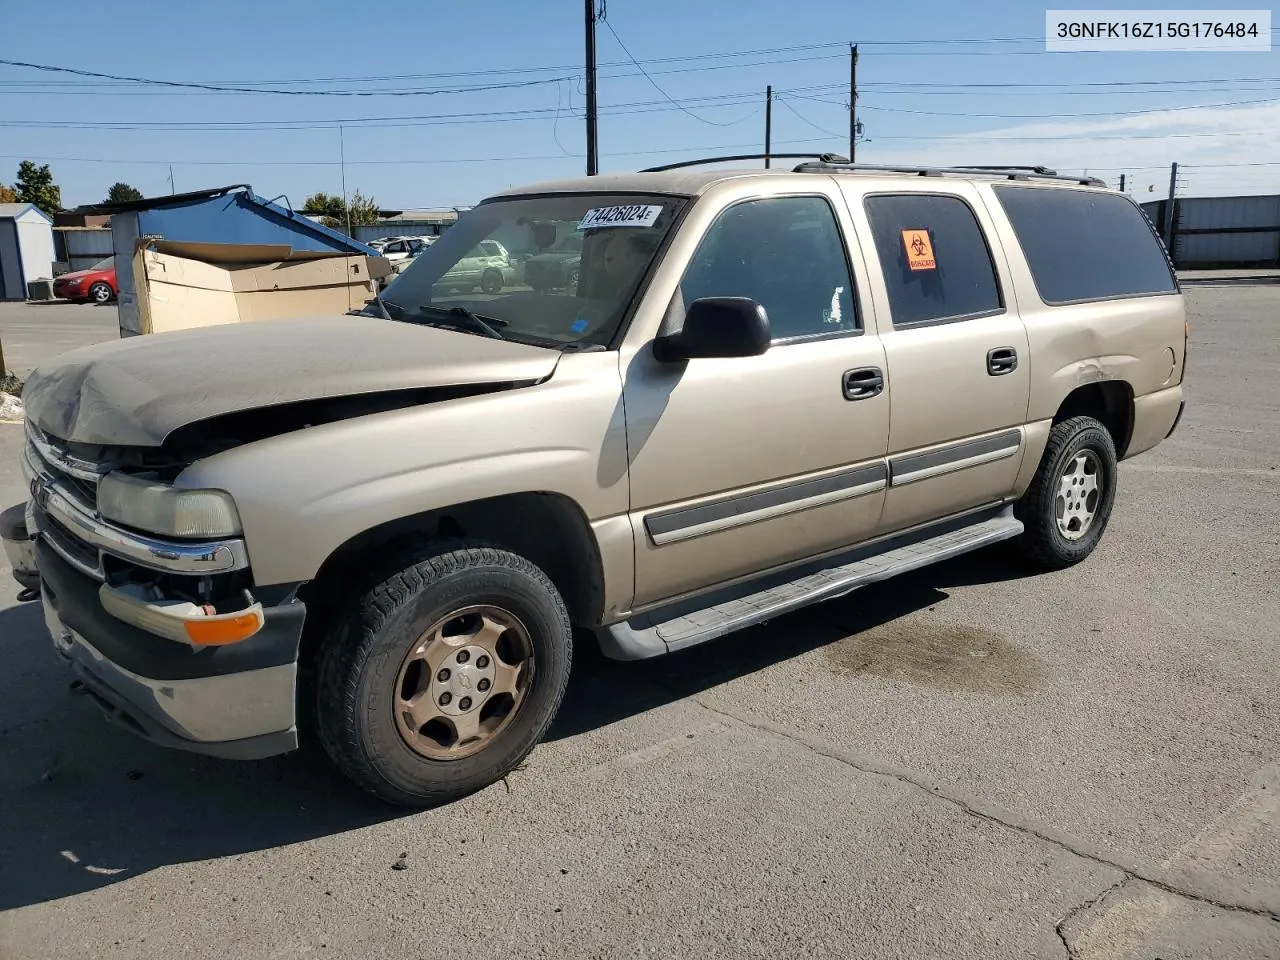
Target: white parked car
397, 249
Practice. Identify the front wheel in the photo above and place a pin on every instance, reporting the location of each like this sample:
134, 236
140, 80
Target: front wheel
100, 293
491, 282
446, 675
1066, 509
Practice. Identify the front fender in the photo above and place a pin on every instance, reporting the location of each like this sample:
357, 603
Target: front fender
304, 494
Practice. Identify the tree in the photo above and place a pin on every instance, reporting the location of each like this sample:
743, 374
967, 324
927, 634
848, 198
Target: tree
120, 192
333, 210
8, 194
364, 210
35, 185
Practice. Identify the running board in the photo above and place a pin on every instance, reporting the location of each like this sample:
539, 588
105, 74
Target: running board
649, 636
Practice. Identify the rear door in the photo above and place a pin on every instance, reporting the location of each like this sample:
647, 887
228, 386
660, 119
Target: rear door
955, 348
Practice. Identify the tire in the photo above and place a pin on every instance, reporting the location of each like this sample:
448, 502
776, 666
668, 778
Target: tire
365, 668
491, 282
1075, 447
571, 281
101, 293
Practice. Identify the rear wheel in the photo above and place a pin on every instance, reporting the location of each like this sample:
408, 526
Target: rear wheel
445, 676
1066, 509
100, 292
491, 282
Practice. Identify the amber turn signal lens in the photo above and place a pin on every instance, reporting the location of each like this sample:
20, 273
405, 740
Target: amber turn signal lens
220, 632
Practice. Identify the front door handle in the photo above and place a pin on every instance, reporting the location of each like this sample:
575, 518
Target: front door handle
1002, 360
862, 383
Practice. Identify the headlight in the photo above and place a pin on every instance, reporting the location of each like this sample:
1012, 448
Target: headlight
159, 508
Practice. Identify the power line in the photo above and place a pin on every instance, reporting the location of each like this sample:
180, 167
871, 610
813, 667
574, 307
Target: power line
622, 109
411, 161
1054, 116
667, 96
488, 116
126, 89
830, 133
291, 93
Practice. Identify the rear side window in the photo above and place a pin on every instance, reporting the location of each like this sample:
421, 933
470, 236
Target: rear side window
935, 260
1082, 245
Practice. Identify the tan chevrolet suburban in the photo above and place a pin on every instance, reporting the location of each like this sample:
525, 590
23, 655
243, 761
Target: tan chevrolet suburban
765, 389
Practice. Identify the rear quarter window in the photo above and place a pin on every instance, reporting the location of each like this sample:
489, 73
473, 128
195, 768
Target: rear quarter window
1082, 245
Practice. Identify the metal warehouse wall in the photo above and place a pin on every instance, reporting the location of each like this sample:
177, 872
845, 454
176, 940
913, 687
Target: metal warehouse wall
399, 228
1222, 231
81, 247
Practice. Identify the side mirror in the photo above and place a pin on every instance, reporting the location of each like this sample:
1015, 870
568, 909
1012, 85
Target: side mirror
717, 327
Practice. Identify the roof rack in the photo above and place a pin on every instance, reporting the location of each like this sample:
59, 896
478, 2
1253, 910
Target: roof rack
1012, 173
833, 158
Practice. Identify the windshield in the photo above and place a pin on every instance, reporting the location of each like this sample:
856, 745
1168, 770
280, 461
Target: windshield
558, 270
106, 264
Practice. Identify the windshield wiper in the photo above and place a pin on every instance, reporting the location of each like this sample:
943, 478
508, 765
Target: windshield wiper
385, 307
483, 324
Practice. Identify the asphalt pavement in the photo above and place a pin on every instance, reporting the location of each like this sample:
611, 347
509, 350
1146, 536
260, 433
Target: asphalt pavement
31, 333
966, 762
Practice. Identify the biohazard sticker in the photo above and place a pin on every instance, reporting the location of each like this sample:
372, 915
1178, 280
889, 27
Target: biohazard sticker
919, 250
632, 215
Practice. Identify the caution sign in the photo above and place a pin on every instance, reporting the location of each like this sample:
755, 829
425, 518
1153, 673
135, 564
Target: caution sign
919, 250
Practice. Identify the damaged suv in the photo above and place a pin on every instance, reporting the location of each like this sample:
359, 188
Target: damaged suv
762, 389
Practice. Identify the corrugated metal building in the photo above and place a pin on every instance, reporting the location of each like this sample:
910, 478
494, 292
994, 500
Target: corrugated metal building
26, 248
79, 248
408, 223
231, 214
1211, 232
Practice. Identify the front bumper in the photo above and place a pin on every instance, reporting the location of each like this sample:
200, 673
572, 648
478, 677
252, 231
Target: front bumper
235, 701
20, 546
1182, 406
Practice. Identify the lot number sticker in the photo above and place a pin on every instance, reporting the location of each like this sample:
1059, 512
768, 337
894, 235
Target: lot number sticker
919, 250
632, 215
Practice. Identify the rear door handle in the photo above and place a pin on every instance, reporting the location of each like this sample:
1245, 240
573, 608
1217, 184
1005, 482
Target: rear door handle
862, 383
1002, 360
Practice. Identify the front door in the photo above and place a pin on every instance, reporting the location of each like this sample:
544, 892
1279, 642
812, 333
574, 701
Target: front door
955, 349
740, 465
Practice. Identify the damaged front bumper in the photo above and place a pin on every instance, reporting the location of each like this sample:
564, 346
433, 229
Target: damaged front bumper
19, 542
233, 701
104, 590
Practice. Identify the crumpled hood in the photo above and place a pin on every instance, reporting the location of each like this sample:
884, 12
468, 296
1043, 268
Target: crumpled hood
138, 390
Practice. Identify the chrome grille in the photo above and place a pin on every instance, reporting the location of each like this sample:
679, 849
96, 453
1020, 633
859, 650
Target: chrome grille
79, 478
64, 491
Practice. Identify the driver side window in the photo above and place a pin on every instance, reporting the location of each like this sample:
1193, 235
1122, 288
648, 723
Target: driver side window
785, 253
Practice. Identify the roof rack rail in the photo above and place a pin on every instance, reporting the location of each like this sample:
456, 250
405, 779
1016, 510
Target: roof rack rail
1012, 173
821, 157
1003, 166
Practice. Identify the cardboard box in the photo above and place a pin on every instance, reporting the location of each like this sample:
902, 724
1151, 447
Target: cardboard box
182, 284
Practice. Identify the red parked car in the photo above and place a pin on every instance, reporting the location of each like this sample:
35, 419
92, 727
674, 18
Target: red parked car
95, 285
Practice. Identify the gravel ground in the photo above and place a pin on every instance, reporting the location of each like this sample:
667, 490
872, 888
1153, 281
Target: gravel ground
965, 762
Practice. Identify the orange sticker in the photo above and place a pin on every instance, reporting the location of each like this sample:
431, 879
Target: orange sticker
919, 250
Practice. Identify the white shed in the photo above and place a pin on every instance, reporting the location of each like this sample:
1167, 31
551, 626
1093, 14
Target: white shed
26, 248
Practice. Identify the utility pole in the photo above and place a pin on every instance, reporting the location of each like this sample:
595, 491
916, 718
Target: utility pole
1168, 209
342, 164
1122, 183
171, 188
768, 123
853, 101
592, 155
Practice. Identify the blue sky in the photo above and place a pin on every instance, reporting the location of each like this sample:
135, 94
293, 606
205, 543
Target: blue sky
1045, 108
